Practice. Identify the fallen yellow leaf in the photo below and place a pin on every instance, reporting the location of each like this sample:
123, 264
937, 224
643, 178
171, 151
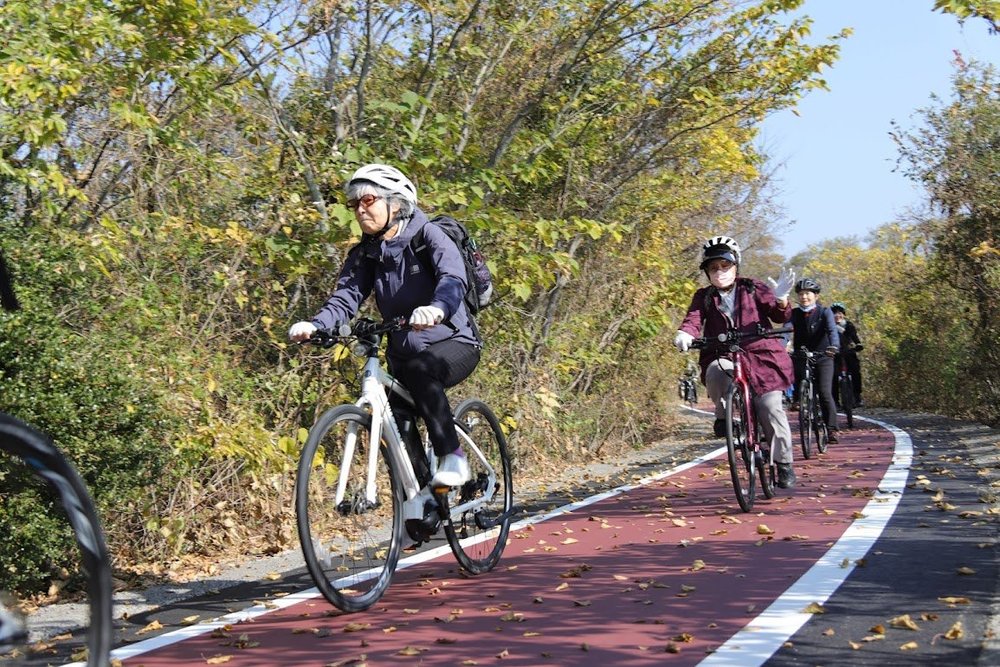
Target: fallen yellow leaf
904, 622
955, 631
814, 608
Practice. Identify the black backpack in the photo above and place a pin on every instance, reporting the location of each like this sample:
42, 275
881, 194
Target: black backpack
477, 274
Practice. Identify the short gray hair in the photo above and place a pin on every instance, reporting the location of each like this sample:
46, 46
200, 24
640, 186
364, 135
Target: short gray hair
359, 188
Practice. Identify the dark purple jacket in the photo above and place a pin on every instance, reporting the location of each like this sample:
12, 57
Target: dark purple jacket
815, 330
768, 365
402, 281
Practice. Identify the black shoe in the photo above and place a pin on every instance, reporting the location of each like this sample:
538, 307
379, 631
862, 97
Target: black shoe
831, 437
786, 476
720, 428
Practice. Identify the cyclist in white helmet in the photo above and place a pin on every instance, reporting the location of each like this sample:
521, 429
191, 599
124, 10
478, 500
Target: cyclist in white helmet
733, 301
442, 347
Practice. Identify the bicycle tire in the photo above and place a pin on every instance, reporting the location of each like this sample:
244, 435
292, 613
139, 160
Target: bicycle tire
351, 550
806, 417
820, 429
682, 390
765, 468
478, 537
742, 468
847, 399
38, 452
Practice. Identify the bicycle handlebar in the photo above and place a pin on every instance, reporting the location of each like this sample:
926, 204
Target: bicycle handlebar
735, 337
363, 328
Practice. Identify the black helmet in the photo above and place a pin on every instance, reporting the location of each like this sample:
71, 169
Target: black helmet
720, 247
838, 307
807, 285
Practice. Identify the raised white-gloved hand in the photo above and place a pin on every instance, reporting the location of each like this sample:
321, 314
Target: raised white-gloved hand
683, 341
425, 317
301, 331
783, 285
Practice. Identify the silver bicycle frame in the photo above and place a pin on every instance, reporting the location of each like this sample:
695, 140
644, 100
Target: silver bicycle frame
374, 397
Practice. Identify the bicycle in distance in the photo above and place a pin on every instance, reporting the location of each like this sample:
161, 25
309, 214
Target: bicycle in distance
687, 390
811, 422
358, 494
845, 387
33, 470
749, 454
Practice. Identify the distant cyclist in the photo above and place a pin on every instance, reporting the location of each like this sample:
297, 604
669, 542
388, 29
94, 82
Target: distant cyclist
442, 347
733, 301
816, 330
850, 345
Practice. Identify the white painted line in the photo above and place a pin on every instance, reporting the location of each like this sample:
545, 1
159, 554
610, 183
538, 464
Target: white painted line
765, 634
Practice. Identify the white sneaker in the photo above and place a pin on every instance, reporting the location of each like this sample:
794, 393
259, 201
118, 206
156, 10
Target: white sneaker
453, 471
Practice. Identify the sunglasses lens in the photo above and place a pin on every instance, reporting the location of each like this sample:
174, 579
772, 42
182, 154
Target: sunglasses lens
365, 201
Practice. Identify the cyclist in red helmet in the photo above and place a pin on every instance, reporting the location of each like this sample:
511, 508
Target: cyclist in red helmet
733, 301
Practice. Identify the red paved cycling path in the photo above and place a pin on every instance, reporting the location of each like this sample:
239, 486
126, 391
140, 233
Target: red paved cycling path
661, 574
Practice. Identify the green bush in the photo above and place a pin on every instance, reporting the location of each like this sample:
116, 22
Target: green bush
60, 375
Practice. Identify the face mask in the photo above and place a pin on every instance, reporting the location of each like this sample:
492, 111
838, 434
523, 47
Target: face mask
806, 309
723, 279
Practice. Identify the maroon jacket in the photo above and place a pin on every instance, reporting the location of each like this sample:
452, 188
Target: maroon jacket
767, 363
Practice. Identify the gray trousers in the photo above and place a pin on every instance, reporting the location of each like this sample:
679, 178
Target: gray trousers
768, 408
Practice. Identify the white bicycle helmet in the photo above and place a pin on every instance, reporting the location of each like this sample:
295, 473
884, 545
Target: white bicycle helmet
720, 247
390, 178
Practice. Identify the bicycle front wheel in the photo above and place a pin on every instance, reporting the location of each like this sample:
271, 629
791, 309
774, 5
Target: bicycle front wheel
478, 534
47, 463
806, 417
741, 462
351, 543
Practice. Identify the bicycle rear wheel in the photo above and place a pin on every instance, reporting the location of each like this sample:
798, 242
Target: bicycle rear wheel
762, 459
806, 417
351, 548
847, 399
741, 462
820, 428
47, 462
478, 535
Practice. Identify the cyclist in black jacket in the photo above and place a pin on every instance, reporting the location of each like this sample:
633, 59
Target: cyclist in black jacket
850, 345
815, 329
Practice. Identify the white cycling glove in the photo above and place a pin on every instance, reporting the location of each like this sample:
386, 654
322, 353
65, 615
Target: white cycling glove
301, 331
683, 341
426, 316
783, 285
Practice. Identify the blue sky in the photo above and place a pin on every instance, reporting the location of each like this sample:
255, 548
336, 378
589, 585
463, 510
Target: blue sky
835, 159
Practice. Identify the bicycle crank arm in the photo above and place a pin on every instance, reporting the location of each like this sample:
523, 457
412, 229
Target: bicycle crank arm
484, 523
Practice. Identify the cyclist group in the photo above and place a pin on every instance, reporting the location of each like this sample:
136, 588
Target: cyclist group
442, 345
732, 302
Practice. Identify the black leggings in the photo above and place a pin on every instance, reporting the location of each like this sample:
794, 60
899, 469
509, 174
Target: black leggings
426, 376
823, 378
